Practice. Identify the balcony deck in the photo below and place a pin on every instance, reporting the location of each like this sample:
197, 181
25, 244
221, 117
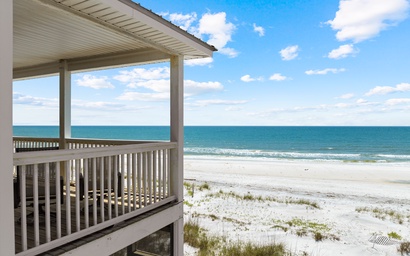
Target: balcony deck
131, 178
83, 222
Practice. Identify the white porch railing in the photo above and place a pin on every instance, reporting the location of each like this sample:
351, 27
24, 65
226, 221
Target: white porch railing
63, 195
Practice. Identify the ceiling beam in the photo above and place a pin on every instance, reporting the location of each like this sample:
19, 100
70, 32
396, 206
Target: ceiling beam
111, 60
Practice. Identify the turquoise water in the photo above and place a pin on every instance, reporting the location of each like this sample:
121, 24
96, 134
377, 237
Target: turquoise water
363, 144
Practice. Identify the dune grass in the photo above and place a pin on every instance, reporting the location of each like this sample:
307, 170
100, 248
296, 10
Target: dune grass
249, 197
302, 227
208, 245
383, 214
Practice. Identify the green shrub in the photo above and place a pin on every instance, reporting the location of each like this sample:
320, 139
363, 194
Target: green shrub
404, 248
394, 235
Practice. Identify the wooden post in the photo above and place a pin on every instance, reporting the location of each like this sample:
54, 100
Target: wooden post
65, 111
6, 128
177, 135
65, 103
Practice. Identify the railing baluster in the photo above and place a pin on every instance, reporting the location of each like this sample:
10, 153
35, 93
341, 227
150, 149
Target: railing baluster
77, 195
164, 172
154, 175
68, 197
129, 173
109, 189
144, 176
86, 179
168, 172
58, 199
102, 189
122, 184
134, 181
23, 216
160, 155
94, 190
139, 180
47, 200
150, 176
36, 207
116, 164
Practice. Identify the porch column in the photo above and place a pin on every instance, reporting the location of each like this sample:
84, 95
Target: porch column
65, 103
6, 129
177, 135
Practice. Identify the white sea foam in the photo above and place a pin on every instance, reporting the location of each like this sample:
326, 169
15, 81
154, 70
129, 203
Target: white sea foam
269, 154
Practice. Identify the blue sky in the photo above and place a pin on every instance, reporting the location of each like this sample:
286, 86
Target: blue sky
310, 62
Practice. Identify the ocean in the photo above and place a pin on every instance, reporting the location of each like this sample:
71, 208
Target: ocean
347, 144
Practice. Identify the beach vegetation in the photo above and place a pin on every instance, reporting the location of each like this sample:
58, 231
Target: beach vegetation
301, 232
249, 249
249, 197
213, 217
318, 236
284, 228
190, 188
383, 214
404, 248
197, 237
232, 220
303, 202
204, 186
188, 203
394, 235
302, 227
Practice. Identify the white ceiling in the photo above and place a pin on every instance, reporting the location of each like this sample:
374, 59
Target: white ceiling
94, 34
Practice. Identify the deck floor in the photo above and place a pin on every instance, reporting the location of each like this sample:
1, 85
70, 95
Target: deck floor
53, 221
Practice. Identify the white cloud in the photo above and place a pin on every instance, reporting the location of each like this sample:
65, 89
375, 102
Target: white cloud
392, 102
218, 30
230, 52
22, 99
99, 105
138, 96
342, 52
325, 71
346, 96
160, 85
248, 78
203, 103
233, 108
290, 52
381, 90
52, 103
195, 88
156, 80
94, 82
211, 27
199, 62
258, 29
361, 101
359, 20
277, 77
183, 20
141, 74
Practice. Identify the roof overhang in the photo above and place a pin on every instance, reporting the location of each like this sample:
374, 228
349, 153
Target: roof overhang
94, 34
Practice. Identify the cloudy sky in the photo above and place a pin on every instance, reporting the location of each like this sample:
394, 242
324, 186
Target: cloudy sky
310, 62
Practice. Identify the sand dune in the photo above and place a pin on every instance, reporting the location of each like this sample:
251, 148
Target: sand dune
356, 201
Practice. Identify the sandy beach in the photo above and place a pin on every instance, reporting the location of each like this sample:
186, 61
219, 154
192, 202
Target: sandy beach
354, 206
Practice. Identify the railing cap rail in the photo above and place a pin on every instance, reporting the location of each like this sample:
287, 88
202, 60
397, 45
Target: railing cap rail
37, 157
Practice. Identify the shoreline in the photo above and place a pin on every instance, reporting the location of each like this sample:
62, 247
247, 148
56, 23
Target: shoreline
340, 189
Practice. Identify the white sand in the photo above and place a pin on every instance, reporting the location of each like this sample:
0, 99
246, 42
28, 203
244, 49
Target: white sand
338, 188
